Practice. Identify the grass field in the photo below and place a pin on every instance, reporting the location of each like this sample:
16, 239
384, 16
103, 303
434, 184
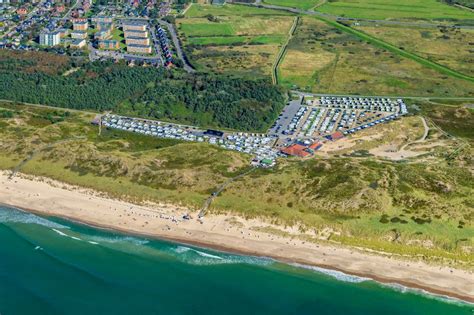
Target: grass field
197, 10
230, 40
117, 34
409, 208
244, 42
323, 58
395, 9
300, 4
446, 46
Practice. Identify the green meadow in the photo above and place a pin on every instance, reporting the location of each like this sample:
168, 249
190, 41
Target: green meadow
327, 57
198, 10
207, 29
395, 9
233, 39
300, 4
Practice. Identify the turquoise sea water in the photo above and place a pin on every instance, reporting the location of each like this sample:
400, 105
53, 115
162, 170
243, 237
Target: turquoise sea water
53, 266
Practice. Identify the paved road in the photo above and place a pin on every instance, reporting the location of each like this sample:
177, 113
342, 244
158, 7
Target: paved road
284, 120
174, 37
156, 44
342, 18
389, 96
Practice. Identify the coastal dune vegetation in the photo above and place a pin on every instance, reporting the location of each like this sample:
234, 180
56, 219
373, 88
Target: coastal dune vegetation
414, 207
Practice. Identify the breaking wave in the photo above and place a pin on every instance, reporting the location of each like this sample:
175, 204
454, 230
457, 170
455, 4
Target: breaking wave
339, 275
443, 298
117, 239
12, 215
66, 235
196, 257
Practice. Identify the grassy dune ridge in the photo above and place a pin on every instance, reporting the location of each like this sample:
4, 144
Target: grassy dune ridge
381, 204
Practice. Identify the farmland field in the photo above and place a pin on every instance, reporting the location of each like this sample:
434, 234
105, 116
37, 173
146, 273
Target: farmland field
395, 9
321, 58
447, 46
232, 38
300, 4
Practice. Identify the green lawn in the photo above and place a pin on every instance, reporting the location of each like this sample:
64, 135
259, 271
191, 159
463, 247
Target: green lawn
395, 9
117, 34
229, 10
207, 29
300, 4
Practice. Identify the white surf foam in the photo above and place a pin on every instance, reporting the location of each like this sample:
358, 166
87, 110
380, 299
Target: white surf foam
60, 233
91, 242
66, 235
196, 257
118, 239
339, 275
446, 299
12, 215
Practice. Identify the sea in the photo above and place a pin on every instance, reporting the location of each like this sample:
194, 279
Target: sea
53, 266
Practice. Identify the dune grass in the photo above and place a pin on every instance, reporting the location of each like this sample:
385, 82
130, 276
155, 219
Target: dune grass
406, 208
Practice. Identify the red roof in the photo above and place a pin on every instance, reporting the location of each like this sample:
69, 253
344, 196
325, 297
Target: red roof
315, 146
296, 150
337, 135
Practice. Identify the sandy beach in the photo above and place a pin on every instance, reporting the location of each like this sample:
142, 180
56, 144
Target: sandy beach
225, 232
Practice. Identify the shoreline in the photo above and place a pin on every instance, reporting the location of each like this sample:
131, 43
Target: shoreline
158, 221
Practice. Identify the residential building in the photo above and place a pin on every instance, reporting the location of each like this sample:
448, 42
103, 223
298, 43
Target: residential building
101, 19
60, 8
102, 35
22, 11
63, 32
104, 26
134, 25
137, 41
109, 44
136, 34
50, 38
80, 25
141, 49
78, 43
79, 34
141, 34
